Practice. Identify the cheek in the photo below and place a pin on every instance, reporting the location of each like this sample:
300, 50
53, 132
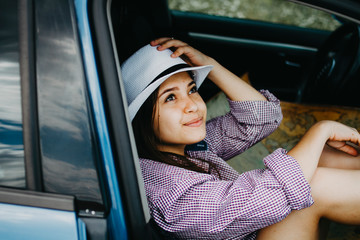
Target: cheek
204, 109
202, 106
165, 121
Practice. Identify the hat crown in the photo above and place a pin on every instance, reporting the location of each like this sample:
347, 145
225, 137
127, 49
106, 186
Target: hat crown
143, 67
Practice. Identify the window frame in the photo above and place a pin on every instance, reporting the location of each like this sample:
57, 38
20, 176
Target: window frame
32, 154
128, 171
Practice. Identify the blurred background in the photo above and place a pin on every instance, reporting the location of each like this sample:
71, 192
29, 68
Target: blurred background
277, 11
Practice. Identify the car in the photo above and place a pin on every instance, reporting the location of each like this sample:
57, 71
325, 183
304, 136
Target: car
68, 161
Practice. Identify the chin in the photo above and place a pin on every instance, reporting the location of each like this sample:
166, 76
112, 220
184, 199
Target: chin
197, 139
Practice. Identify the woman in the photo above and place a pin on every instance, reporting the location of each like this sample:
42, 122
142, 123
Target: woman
192, 192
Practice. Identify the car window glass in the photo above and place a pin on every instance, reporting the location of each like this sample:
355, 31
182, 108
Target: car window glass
275, 11
12, 170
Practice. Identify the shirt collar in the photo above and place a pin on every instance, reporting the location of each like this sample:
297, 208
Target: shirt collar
200, 146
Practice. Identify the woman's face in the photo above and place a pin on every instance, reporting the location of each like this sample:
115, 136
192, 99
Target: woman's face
180, 114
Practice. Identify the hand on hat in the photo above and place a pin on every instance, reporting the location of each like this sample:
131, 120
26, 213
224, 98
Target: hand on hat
234, 88
189, 54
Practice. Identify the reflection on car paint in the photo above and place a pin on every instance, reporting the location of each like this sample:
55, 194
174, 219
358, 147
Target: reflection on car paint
59, 224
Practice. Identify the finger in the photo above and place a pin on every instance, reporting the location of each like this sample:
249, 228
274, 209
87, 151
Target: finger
183, 50
159, 41
168, 43
355, 130
172, 43
356, 146
344, 147
349, 150
355, 137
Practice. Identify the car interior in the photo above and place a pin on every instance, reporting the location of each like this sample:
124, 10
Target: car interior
299, 65
277, 57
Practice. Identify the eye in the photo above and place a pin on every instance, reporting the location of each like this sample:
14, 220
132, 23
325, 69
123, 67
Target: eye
169, 98
193, 90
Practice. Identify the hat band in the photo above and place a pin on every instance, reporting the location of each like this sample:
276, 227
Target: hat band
170, 70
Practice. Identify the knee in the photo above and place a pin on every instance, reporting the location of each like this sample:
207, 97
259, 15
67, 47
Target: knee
321, 188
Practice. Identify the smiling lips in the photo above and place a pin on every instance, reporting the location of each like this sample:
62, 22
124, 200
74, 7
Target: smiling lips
195, 122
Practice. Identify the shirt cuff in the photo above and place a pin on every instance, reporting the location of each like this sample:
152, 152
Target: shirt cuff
257, 112
289, 174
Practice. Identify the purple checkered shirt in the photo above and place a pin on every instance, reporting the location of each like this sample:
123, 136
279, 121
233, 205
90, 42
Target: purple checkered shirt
192, 205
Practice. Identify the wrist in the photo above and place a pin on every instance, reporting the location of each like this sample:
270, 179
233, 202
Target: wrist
218, 71
323, 129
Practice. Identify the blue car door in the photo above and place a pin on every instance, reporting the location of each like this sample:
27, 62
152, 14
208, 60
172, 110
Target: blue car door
54, 161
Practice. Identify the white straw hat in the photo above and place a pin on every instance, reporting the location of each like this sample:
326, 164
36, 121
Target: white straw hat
140, 74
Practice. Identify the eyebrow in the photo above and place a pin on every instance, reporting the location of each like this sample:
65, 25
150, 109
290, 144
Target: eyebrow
175, 88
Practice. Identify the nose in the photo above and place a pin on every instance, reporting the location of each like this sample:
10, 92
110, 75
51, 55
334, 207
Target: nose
190, 105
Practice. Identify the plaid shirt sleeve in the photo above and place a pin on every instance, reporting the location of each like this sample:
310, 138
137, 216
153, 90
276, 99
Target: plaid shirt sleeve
246, 124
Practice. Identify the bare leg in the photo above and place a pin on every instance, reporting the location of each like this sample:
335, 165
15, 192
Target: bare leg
337, 197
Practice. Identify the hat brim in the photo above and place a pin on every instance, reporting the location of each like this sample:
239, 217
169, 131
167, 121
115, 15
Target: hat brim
200, 75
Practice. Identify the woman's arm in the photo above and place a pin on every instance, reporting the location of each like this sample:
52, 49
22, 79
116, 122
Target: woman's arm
307, 152
234, 87
247, 123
